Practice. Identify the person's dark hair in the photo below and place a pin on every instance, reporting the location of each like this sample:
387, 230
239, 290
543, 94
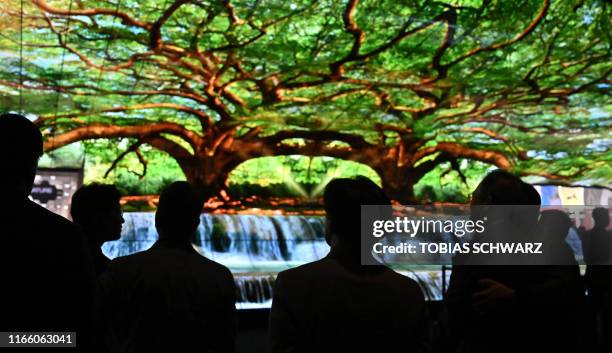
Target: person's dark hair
343, 199
178, 211
93, 199
601, 216
532, 196
556, 224
502, 188
21, 145
20, 136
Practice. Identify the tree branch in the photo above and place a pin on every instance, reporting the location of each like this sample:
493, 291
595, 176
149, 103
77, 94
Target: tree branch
532, 25
130, 149
351, 27
316, 135
126, 19
97, 131
457, 150
203, 117
155, 38
450, 17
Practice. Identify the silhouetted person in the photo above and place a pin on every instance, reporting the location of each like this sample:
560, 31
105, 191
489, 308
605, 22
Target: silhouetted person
554, 227
598, 249
597, 245
510, 308
96, 209
47, 279
170, 298
337, 305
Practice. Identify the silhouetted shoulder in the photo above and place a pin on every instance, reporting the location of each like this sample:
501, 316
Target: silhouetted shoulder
126, 260
44, 259
211, 263
220, 271
325, 307
169, 300
332, 271
43, 229
47, 218
307, 271
158, 260
157, 253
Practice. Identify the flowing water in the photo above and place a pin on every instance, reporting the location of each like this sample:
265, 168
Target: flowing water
254, 247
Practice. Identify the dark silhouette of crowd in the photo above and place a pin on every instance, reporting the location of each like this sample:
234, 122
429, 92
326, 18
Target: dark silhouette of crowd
170, 298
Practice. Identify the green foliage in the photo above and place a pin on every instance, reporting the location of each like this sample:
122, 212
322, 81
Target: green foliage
71, 156
518, 78
293, 175
161, 168
444, 184
284, 176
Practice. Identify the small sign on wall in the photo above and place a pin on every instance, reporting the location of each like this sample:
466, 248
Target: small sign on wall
53, 188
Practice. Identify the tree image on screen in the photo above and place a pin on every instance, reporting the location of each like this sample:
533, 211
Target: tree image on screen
401, 88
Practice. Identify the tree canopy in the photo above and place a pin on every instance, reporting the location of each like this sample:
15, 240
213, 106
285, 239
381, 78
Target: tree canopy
399, 86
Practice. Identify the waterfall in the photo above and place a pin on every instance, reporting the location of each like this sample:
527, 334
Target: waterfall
430, 282
138, 235
254, 288
254, 247
235, 240
243, 241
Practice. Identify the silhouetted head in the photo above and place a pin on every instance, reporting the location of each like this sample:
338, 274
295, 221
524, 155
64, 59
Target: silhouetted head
178, 212
555, 225
502, 188
343, 199
97, 210
21, 145
601, 217
532, 196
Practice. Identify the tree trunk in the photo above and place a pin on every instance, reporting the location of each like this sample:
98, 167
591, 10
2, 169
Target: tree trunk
209, 175
398, 183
